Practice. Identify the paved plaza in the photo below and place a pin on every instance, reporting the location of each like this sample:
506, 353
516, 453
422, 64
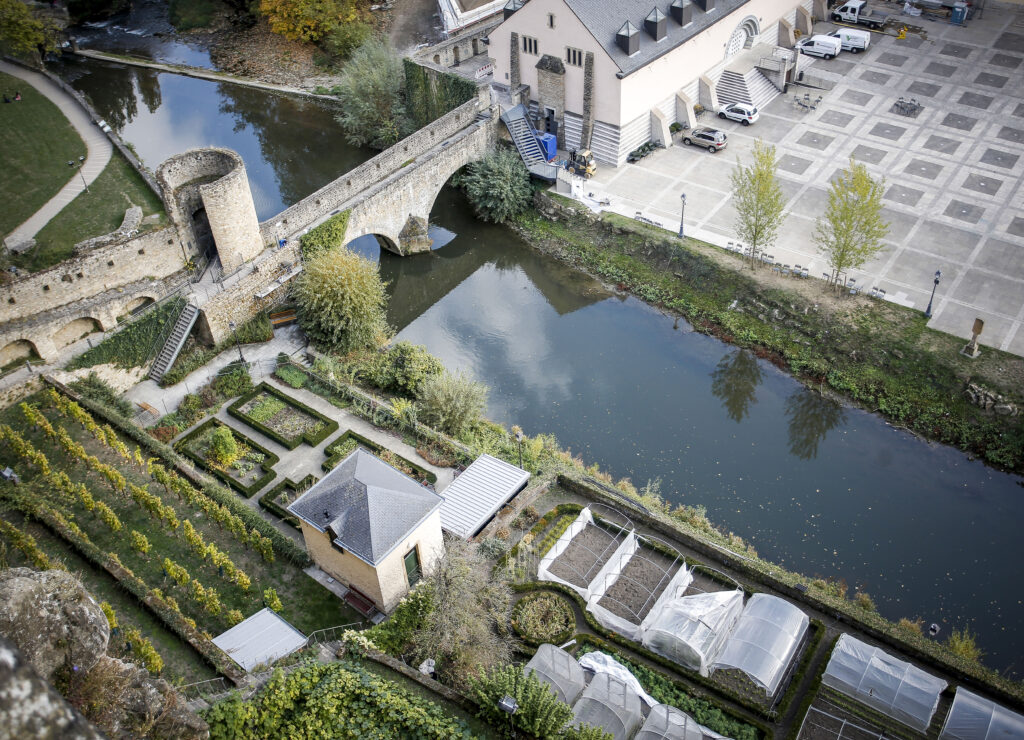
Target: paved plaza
954, 194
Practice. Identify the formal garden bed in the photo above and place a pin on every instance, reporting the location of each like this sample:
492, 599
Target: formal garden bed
229, 455
282, 418
640, 584
277, 499
585, 556
343, 446
543, 616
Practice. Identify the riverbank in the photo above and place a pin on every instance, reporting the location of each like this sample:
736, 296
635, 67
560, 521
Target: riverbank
875, 354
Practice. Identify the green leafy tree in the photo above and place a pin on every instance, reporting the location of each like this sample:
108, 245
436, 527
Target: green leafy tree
851, 230
20, 32
498, 186
341, 41
341, 301
758, 200
372, 95
451, 402
404, 367
223, 446
540, 713
307, 20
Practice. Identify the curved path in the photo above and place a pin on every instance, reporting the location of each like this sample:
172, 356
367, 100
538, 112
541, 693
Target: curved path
98, 148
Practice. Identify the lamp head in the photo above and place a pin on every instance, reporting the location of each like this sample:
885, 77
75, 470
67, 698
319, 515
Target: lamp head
938, 274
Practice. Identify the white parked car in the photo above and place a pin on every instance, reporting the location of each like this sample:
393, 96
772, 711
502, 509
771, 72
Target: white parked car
745, 114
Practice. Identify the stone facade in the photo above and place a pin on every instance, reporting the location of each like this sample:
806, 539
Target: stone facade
551, 95
387, 583
588, 100
457, 48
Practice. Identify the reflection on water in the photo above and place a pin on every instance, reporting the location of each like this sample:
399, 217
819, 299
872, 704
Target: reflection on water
811, 417
734, 382
291, 146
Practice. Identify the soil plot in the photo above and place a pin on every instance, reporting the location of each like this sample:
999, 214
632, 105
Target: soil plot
640, 584
586, 554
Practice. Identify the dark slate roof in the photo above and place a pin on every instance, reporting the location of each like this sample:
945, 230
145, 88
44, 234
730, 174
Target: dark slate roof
603, 18
370, 506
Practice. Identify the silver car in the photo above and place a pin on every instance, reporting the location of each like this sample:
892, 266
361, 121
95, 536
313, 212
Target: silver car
710, 138
745, 114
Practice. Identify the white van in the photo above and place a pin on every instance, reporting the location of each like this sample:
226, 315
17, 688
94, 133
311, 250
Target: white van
852, 39
820, 46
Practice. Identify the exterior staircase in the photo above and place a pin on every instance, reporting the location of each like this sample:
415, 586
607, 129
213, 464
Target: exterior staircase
748, 86
524, 137
175, 341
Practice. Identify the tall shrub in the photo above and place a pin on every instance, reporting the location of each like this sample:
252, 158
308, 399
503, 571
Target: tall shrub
372, 94
540, 713
498, 186
451, 402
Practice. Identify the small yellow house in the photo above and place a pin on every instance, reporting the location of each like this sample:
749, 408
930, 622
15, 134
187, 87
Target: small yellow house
372, 528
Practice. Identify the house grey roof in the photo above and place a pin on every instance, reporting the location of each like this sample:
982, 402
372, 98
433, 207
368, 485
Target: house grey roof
367, 505
479, 491
604, 18
261, 639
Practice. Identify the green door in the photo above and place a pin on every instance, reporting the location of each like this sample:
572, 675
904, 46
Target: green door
412, 566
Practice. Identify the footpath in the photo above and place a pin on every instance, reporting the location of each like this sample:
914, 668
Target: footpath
97, 145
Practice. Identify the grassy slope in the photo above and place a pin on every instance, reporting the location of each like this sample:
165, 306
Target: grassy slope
91, 214
36, 142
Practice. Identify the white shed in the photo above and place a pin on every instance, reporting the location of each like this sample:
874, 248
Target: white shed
477, 494
260, 640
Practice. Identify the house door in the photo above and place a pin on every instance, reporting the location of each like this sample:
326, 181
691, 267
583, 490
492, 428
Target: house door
412, 567
550, 122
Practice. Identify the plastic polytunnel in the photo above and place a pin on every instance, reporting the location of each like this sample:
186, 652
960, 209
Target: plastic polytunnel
893, 687
692, 630
559, 670
765, 640
974, 718
610, 704
668, 723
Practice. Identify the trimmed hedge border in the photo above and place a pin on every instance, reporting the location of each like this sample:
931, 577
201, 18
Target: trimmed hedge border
283, 545
333, 459
270, 459
269, 499
536, 529
529, 639
812, 693
329, 428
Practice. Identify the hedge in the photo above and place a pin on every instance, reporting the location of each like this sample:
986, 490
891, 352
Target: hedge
283, 545
334, 457
269, 499
269, 460
312, 439
529, 638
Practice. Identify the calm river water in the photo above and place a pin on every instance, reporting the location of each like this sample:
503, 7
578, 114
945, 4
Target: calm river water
818, 488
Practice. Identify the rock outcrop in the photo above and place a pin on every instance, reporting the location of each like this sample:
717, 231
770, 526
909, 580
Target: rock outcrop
990, 400
63, 635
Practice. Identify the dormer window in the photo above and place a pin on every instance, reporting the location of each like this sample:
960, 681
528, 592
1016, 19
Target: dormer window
628, 39
656, 25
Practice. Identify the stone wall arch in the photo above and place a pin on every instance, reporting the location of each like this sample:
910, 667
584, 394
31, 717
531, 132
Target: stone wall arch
18, 349
136, 304
74, 330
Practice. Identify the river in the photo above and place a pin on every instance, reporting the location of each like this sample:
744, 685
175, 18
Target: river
821, 489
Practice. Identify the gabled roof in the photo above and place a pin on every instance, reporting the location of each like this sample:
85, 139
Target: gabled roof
366, 505
604, 18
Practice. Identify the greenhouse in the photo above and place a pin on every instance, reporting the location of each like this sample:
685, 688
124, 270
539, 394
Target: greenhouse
692, 630
669, 723
588, 550
974, 718
766, 638
559, 670
893, 687
610, 704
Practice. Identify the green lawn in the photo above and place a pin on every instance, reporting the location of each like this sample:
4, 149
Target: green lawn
92, 214
36, 142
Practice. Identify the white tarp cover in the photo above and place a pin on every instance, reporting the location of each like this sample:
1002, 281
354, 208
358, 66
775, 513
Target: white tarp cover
260, 640
559, 670
975, 718
894, 687
604, 580
582, 521
604, 663
765, 640
675, 589
692, 630
610, 704
668, 723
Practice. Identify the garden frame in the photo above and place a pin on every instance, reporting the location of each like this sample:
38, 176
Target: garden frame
268, 500
600, 559
330, 426
333, 458
269, 460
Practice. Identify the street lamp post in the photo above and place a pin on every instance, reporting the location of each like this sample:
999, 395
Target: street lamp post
519, 439
241, 358
682, 215
928, 311
81, 163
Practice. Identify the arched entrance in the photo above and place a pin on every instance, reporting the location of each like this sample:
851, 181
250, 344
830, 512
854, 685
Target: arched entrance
19, 349
743, 37
201, 228
138, 304
75, 330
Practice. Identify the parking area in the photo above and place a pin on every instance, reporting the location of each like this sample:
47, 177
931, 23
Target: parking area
954, 171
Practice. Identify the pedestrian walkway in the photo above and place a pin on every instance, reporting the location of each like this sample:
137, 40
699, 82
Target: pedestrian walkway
97, 145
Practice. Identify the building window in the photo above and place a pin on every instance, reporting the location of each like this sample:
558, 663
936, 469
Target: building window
412, 567
530, 45
574, 56
551, 20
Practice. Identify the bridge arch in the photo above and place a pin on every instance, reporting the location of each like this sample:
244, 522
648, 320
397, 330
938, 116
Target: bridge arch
19, 349
74, 330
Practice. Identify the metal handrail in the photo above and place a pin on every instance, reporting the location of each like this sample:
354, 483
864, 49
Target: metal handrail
161, 339
317, 637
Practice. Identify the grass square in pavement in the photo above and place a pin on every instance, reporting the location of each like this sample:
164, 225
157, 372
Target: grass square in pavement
36, 142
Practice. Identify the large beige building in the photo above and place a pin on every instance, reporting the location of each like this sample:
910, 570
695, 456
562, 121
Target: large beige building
613, 74
372, 528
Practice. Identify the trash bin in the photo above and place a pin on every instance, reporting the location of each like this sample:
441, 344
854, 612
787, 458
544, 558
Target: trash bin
959, 15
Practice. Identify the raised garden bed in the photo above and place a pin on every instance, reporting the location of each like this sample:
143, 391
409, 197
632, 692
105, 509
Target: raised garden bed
585, 556
543, 616
640, 584
282, 418
276, 500
343, 446
251, 472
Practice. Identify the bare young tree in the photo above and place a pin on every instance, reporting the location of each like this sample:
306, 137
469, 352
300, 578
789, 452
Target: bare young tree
467, 627
758, 200
851, 230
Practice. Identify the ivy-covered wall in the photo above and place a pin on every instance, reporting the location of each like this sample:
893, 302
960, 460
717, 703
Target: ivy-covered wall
429, 93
